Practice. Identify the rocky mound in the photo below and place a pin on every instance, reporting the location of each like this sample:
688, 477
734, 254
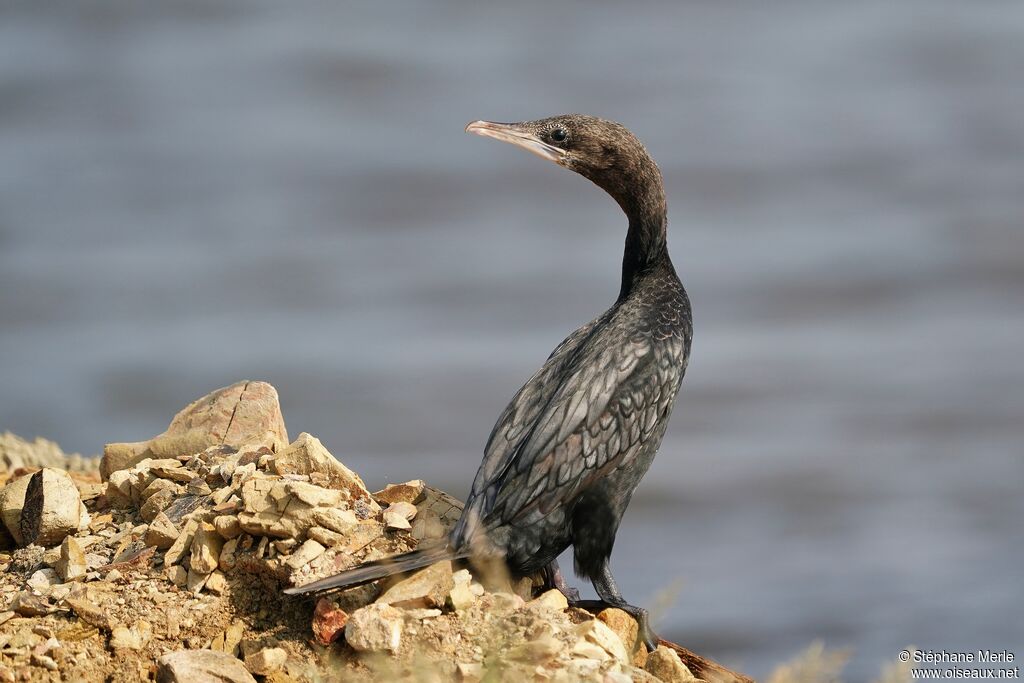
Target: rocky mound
167, 564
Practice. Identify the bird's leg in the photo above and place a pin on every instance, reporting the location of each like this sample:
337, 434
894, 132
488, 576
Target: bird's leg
554, 578
604, 584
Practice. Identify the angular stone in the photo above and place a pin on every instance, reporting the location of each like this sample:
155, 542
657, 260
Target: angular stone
123, 638
216, 583
161, 532
53, 508
12, 500
266, 661
226, 561
42, 579
157, 503
284, 509
233, 637
340, 521
227, 526
156, 486
206, 547
307, 456
325, 537
407, 510
201, 666
396, 519
307, 552
198, 487
409, 492
195, 581
664, 663
119, 490
177, 575
461, 596
71, 564
244, 413
625, 628
181, 546
328, 621
28, 605
552, 600
87, 610
597, 641
426, 588
173, 471
375, 628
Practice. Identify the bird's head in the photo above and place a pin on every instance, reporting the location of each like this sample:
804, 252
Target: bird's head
602, 151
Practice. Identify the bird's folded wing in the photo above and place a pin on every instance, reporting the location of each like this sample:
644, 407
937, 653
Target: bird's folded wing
592, 425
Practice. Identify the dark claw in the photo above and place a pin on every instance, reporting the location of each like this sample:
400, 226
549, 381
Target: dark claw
571, 594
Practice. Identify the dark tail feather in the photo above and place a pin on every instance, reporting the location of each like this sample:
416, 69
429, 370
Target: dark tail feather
378, 569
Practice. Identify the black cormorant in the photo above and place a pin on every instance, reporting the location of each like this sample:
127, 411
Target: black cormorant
567, 453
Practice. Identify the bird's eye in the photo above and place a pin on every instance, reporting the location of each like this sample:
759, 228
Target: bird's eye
559, 134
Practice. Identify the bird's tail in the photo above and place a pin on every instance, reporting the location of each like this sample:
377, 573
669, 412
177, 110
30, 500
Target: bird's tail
378, 569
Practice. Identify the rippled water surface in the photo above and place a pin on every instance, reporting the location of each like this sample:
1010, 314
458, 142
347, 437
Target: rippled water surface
193, 193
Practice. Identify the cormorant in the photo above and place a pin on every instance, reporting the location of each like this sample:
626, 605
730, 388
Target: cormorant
567, 453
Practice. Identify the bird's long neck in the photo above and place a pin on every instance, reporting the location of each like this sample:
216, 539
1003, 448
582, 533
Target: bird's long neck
643, 201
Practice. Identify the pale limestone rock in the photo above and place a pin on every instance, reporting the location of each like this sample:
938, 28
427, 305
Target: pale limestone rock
625, 627
375, 628
124, 638
195, 581
307, 552
266, 661
12, 500
597, 641
174, 471
233, 637
552, 600
409, 492
216, 583
461, 596
201, 666
283, 508
308, 456
407, 510
42, 579
162, 532
53, 508
177, 575
426, 588
119, 490
226, 561
71, 564
28, 605
157, 485
325, 537
227, 526
664, 663
181, 546
157, 503
339, 521
397, 515
244, 413
206, 547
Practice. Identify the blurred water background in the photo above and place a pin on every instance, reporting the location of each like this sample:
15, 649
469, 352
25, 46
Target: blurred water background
193, 193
